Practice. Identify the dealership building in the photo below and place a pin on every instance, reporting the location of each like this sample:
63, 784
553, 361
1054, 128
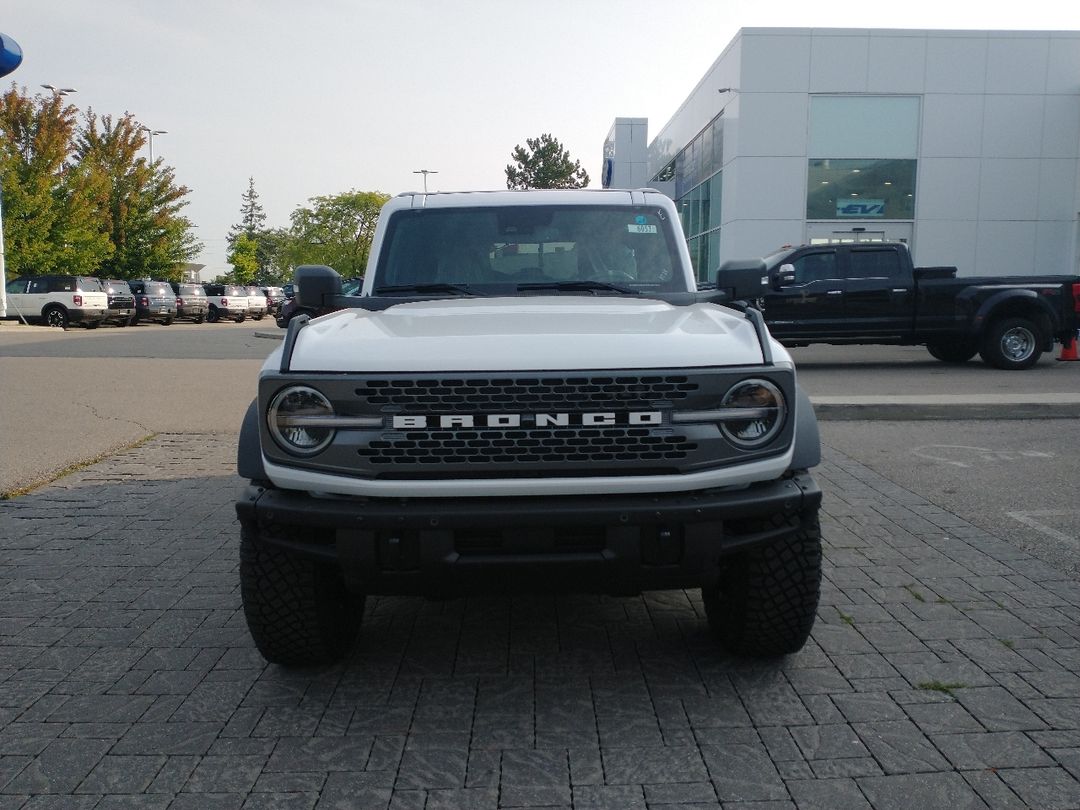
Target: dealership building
963, 144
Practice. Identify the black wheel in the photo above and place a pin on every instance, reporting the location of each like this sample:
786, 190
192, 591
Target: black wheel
258, 317
765, 602
167, 322
200, 318
298, 611
134, 320
1012, 344
92, 324
123, 322
213, 315
56, 316
958, 351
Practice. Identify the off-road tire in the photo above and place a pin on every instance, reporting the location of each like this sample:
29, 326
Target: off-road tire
766, 600
213, 315
958, 351
299, 611
1012, 344
200, 318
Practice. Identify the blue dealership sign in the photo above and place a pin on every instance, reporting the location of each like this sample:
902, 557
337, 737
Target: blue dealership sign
10, 54
860, 208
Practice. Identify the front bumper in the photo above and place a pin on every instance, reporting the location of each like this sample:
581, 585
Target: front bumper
610, 544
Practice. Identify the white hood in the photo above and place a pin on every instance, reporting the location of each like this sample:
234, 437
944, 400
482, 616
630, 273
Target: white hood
527, 334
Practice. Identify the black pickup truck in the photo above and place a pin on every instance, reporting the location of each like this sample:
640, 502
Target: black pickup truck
872, 293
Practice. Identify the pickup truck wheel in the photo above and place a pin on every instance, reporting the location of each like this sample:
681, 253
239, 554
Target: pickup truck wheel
199, 318
1012, 344
959, 351
299, 611
766, 600
56, 316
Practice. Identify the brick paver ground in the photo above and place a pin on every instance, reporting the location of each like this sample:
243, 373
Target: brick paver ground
942, 673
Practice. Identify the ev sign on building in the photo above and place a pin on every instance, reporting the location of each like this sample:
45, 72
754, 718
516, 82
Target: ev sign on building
846, 209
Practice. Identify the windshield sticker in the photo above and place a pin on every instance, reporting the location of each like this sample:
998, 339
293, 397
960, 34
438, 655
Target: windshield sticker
639, 228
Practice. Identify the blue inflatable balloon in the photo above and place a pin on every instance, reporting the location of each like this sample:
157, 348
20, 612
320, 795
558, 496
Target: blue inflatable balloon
10, 54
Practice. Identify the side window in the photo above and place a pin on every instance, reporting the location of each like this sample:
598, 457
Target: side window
815, 267
62, 284
874, 264
16, 286
39, 285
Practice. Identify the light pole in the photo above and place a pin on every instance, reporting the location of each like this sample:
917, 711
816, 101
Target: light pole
150, 133
425, 172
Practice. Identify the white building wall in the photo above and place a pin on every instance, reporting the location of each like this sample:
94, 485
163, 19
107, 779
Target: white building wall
998, 183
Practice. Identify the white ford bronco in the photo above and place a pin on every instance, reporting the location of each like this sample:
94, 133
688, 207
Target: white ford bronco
529, 392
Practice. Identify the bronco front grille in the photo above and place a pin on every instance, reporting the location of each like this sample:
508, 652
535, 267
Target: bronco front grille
531, 393
493, 446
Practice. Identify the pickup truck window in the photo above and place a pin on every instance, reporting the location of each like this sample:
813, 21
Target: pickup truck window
874, 264
815, 267
492, 250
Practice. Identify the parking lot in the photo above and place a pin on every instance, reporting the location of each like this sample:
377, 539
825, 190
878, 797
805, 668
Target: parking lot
941, 672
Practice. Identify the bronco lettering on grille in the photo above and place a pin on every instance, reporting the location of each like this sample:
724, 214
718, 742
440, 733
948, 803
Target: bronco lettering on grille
506, 420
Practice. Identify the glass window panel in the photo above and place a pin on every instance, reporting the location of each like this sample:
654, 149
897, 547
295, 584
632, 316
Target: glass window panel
716, 190
718, 141
860, 189
714, 249
703, 257
864, 126
703, 217
707, 166
695, 211
874, 264
815, 267
681, 181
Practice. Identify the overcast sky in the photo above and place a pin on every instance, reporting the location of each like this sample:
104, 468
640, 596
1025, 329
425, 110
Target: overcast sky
330, 95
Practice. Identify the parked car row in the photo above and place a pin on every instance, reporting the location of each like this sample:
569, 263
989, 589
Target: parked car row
62, 300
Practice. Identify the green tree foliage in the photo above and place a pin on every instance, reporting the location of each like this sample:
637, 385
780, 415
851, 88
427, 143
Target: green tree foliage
243, 259
268, 242
49, 222
544, 164
138, 205
336, 231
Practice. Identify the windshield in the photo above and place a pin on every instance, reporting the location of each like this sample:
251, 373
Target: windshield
501, 250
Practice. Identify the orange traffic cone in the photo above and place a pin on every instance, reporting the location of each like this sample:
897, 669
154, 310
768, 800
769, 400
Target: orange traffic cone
1068, 350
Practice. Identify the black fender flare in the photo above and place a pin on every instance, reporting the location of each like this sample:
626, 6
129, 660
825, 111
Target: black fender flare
1022, 303
249, 458
807, 437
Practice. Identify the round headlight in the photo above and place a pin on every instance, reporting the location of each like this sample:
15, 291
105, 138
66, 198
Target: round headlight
765, 410
294, 417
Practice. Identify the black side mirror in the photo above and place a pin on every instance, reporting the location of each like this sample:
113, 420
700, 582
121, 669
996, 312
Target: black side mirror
743, 279
314, 282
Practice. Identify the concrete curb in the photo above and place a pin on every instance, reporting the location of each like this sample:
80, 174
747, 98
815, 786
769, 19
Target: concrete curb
921, 408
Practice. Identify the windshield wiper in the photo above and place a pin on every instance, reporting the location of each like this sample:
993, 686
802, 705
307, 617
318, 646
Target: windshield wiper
426, 288
576, 286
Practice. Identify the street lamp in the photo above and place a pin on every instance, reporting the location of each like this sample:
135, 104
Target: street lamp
425, 172
150, 135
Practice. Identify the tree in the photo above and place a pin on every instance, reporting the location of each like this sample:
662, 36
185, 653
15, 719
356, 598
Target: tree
138, 205
242, 258
49, 223
252, 216
544, 164
336, 231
